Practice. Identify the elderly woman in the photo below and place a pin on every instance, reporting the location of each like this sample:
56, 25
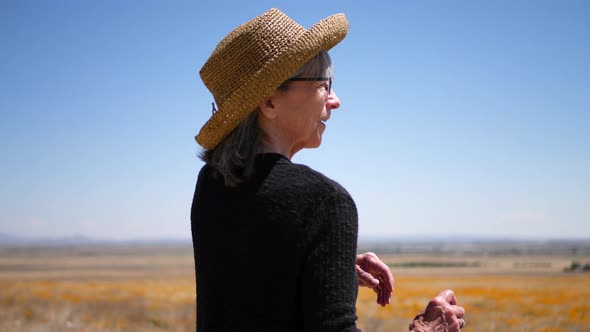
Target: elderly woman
274, 241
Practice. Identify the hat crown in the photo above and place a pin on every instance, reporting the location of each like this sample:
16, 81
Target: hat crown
246, 50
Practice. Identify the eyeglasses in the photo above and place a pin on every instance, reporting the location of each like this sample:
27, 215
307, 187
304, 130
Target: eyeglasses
329, 79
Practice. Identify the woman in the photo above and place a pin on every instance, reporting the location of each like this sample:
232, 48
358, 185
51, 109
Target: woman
274, 241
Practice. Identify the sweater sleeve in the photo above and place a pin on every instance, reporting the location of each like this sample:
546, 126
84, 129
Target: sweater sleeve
329, 282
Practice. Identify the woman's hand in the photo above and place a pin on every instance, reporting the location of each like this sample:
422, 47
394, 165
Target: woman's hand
441, 315
375, 274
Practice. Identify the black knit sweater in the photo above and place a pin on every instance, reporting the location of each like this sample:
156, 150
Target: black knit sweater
277, 253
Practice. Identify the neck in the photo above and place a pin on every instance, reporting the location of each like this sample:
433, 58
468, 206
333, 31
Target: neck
274, 142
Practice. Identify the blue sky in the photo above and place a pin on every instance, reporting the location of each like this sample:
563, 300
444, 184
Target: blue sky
458, 117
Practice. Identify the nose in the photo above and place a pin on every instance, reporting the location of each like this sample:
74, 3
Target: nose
333, 101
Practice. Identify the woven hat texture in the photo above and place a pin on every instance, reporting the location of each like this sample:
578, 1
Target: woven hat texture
253, 60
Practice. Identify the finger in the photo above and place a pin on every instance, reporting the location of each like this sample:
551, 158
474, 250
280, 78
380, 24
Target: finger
367, 278
382, 270
388, 278
386, 292
362, 282
452, 316
453, 327
458, 311
379, 291
370, 263
391, 282
379, 295
456, 324
386, 298
448, 296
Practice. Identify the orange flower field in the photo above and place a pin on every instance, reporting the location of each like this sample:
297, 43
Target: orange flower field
499, 303
493, 303
157, 293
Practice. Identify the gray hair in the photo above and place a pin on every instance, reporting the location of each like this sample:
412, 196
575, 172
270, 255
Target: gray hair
318, 66
234, 158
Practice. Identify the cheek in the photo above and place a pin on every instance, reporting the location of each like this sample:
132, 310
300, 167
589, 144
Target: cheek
314, 121
306, 120
309, 117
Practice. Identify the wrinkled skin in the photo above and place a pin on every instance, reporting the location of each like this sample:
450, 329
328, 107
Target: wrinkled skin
375, 274
441, 315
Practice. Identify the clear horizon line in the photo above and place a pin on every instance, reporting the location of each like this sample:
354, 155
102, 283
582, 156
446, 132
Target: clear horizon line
362, 237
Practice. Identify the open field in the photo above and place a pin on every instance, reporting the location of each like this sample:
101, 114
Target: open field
151, 288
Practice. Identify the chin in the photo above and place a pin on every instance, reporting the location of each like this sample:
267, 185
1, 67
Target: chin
316, 143
316, 140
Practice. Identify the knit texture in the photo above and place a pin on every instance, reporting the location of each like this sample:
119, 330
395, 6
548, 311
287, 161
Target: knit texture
277, 253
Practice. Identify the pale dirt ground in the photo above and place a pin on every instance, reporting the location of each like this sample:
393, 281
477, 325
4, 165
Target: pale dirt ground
485, 265
131, 262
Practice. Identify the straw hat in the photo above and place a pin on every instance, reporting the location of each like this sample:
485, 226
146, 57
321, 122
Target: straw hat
252, 61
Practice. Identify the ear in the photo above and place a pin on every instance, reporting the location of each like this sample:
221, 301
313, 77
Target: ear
269, 107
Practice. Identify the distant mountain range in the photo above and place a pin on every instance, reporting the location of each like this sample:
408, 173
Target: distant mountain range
372, 241
417, 244
428, 238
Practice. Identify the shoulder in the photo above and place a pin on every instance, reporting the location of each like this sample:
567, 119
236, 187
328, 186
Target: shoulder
205, 176
323, 184
297, 190
331, 210
302, 179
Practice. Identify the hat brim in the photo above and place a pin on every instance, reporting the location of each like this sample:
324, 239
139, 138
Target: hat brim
323, 35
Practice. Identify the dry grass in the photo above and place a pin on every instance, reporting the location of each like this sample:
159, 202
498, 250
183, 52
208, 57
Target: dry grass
144, 291
493, 303
116, 305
